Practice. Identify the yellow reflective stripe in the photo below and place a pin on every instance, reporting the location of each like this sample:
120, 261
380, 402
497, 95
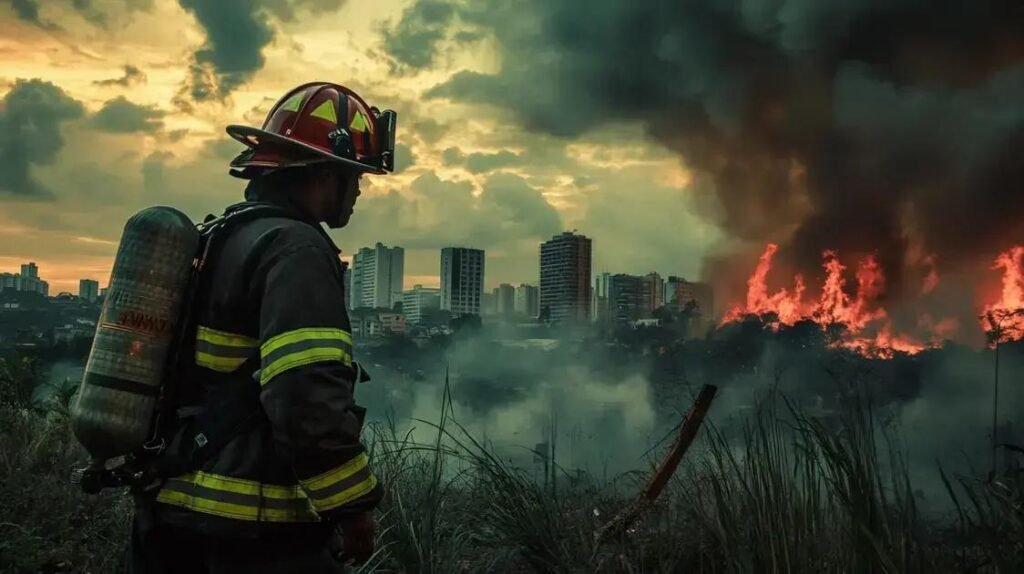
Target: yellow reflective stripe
222, 351
334, 475
298, 335
219, 364
346, 496
224, 338
242, 486
303, 358
235, 511
301, 347
341, 485
238, 498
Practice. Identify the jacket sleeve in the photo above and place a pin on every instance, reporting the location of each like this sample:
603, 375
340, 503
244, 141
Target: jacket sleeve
307, 379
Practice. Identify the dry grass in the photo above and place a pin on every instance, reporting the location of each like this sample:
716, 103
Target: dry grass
788, 493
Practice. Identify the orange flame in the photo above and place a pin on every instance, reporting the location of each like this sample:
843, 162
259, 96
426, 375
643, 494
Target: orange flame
1004, 319
859, 314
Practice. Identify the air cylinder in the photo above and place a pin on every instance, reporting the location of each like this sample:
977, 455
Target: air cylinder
114, 407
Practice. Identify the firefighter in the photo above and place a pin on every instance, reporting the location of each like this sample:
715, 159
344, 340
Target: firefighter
270, 468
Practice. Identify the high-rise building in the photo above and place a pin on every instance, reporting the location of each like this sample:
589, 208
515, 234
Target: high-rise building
625, 298
88, 290
462, 280
599, 309
682, 292
29, 270
671, 289
565, 277
654, 291
505, 299
527, 300
347, 285
417, 299
377, 275
10, 281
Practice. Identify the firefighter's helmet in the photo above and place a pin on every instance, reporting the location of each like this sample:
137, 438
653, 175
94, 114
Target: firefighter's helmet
320, 122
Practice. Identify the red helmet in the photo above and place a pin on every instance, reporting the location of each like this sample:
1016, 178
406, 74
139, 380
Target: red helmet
320, 122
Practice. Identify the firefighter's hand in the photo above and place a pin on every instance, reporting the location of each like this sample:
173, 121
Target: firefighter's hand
357, 533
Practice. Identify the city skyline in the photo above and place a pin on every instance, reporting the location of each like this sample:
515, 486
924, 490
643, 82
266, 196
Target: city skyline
524, 296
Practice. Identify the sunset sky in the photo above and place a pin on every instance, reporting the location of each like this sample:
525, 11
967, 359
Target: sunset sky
110, 106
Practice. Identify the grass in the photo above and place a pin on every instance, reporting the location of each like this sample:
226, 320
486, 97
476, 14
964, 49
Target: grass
783, 492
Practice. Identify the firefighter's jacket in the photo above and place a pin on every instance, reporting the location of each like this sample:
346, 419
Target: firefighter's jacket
271, 311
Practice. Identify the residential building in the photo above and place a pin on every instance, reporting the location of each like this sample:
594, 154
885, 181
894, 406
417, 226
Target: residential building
488, 303
505, 299
527, 300
599, 311
625, 298
347, 285
10, 281
565, 263
654, 290
417, 299
701, 294
377, 276
462, 280
88, 290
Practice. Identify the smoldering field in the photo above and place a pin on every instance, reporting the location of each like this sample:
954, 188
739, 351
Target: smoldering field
610, 410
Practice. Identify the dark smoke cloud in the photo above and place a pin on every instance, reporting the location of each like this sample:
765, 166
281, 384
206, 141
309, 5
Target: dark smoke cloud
31, 115
852, 122
236, 33
131, 77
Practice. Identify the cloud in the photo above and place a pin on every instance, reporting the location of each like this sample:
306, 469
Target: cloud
237, 31
100, 15
27, 10
132, 76
411, 43
436, 212
520, 209
31, 115
482, 162
122, 116
404, 158
429, 130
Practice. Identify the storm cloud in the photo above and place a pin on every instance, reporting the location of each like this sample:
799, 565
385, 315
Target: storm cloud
237, 31
31, 114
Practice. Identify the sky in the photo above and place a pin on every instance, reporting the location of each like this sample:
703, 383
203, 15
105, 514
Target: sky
111, 106
682, 136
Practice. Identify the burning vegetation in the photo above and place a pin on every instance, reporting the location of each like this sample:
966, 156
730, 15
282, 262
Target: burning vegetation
856, 318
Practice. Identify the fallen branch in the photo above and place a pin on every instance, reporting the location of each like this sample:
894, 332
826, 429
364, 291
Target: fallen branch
687, 432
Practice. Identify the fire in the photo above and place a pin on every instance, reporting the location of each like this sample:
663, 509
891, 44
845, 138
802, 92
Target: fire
789, 307
868, 329
1004, 319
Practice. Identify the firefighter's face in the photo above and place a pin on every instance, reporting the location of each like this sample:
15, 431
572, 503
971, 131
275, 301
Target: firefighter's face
342, 189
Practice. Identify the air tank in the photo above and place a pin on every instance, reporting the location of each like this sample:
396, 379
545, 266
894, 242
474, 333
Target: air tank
114, 407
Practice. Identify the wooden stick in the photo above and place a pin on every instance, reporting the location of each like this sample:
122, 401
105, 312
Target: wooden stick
687, 432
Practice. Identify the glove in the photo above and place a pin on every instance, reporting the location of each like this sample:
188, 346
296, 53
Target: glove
357, 533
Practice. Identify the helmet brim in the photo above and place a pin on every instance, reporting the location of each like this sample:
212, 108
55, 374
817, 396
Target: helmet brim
305, 154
